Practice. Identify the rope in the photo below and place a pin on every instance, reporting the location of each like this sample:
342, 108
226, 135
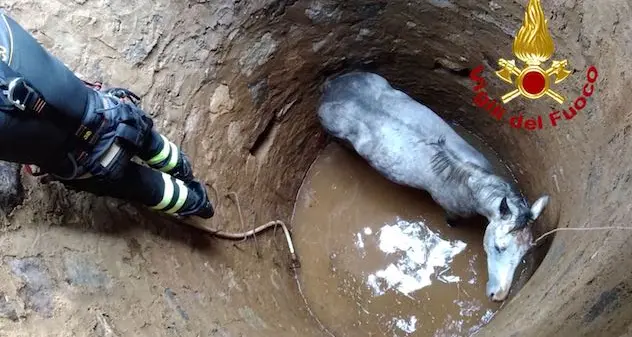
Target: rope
242, 236
243, 224
578, 230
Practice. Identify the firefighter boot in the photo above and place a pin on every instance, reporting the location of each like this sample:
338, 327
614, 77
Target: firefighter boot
181, 199
201, 207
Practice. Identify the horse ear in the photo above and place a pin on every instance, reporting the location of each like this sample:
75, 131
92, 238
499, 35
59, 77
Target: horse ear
538, 206
504, 208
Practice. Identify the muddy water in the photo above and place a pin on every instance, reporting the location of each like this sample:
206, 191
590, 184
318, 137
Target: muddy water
378, 259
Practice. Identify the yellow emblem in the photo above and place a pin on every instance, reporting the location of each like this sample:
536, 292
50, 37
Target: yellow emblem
533, 45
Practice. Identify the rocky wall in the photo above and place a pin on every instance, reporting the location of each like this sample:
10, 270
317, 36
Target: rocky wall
236, 83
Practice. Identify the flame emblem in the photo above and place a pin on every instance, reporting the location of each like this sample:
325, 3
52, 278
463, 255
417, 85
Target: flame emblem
534, 46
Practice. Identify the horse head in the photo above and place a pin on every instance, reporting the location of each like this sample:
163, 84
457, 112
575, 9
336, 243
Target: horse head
507, 239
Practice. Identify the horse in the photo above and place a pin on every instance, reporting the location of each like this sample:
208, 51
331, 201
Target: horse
410, 145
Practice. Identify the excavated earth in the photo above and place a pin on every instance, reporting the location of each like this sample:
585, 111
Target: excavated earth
236, 84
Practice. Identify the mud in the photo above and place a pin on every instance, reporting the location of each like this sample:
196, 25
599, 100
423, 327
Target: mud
236, 84
379, 258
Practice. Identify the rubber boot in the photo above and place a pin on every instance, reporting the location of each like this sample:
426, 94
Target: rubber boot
183, 169
202, 207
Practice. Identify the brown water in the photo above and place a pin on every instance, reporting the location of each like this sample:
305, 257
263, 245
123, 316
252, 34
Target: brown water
378, 259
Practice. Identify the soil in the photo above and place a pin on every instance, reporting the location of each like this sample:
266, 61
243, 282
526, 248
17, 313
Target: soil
236, 83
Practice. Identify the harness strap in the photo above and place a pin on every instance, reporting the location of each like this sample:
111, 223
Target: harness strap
106, 160
109, 157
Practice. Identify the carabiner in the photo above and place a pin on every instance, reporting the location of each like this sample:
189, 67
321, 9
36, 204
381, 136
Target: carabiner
18, 83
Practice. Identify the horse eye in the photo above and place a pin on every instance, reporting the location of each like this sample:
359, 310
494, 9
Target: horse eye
498, 249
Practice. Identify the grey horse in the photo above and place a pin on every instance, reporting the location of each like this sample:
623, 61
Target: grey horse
410, 145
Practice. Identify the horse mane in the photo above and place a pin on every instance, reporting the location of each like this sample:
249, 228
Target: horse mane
523, 219
452, 168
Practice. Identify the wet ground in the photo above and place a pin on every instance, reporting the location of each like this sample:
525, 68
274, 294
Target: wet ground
378, 259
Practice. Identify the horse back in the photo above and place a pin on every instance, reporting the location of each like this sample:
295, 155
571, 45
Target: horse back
366, 111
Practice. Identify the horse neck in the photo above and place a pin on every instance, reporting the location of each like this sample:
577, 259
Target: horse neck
484, 186
488, 189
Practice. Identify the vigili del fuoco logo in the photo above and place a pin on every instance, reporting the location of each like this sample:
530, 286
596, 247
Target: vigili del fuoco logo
533, 45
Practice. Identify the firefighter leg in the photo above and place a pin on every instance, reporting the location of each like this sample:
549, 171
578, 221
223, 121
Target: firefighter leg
162, 154
157, 190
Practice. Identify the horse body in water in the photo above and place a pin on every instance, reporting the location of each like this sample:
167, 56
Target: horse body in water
410, 145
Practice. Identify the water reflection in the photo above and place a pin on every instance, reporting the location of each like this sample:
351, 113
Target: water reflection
408, 326
420, 252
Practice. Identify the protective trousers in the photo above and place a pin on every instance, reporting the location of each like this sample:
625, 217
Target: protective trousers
166, 185
86, 137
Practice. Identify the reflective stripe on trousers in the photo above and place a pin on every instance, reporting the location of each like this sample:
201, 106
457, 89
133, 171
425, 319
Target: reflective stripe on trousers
174, 195
169, 150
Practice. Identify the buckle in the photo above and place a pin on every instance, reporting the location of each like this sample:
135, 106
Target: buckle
81, 156
22, 87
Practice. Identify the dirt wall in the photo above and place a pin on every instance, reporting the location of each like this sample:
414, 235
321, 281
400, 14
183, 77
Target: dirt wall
236, 82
